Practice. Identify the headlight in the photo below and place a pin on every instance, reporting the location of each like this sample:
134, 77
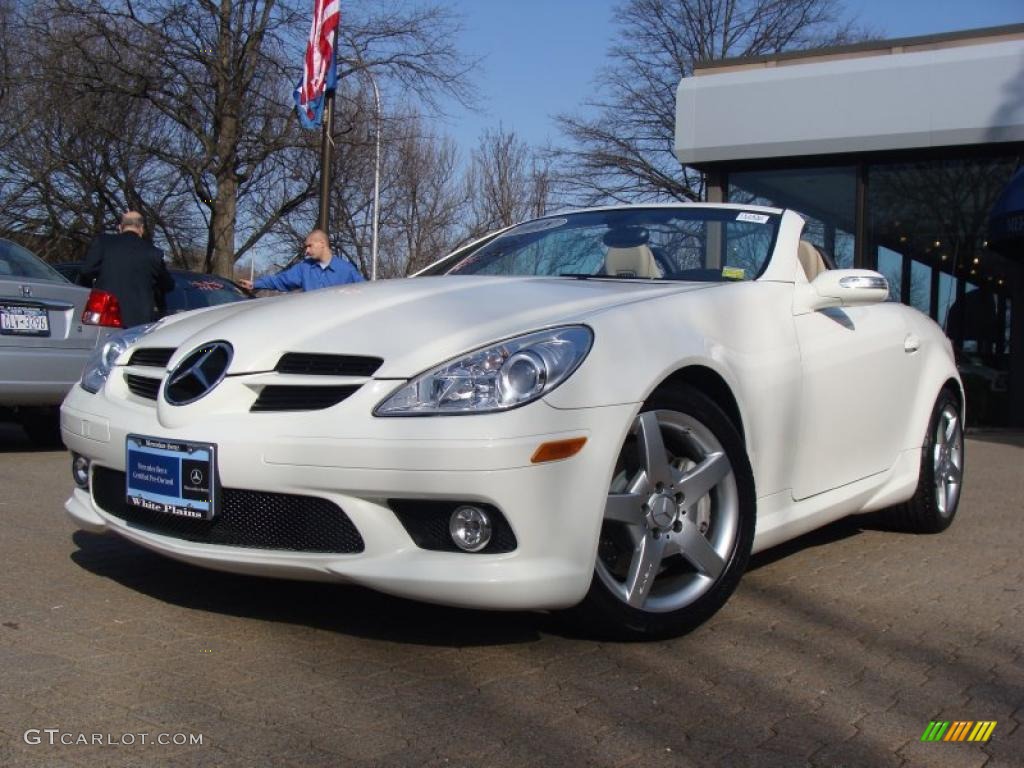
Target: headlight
502, 376
98, 368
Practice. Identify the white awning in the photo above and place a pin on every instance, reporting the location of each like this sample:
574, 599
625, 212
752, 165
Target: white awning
962, 95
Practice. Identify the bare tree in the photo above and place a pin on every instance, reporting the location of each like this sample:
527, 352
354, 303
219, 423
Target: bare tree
6, 43
411, 46
353, 172
622, 146
506, 182
61, 174
215, 73
218, 75
424, 206
422, 194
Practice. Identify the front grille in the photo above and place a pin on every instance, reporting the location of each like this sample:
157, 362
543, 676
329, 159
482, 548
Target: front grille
143, 386
277, 397
426, 521
156, 357
328, 365
252, 519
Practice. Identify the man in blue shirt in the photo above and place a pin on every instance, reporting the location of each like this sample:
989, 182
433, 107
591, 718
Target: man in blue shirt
318, 270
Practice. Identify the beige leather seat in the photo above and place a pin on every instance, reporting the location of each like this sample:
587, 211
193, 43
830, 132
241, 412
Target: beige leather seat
633, 261
811, 260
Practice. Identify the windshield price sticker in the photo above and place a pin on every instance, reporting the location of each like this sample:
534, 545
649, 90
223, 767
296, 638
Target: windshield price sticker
753, 218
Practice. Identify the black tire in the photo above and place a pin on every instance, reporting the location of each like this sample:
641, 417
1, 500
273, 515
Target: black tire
926, 511
42, 425
724, 517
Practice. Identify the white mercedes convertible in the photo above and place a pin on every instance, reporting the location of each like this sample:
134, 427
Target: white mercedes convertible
605, 410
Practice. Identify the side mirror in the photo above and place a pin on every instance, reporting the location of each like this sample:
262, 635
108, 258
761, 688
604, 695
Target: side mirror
846, 288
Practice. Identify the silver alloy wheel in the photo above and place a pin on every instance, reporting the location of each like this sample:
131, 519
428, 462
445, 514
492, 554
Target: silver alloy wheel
947, 460
679, 505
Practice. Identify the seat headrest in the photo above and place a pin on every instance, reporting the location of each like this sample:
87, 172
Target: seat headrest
810, 259
633, 261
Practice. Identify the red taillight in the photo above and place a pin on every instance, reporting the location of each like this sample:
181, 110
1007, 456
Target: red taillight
102, 308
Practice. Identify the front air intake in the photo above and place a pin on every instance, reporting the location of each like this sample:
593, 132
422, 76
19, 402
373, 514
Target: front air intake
142, 386
276, 397
155, 357
328, 365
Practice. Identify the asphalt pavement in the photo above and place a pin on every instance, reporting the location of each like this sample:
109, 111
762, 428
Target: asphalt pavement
838, 649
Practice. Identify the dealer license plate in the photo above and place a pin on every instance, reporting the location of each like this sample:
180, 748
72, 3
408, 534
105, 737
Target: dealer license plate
171, 476
17, 320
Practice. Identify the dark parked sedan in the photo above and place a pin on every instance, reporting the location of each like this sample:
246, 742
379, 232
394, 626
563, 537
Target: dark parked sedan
192, 290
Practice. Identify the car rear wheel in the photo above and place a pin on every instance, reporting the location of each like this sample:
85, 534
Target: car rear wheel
679, 520
934, 504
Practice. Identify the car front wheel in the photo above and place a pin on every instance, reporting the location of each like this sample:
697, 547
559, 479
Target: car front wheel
678, 523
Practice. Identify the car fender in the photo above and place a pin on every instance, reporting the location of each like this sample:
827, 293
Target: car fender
937, 367
638, 349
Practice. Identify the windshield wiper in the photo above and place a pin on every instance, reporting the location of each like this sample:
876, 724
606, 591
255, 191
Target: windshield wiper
588, 275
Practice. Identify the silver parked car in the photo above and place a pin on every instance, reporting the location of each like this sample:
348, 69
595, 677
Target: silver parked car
44, 340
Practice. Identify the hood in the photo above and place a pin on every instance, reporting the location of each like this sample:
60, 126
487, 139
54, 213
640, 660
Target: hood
413, 324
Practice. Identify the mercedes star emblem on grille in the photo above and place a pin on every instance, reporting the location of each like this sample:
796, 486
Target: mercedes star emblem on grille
202, 369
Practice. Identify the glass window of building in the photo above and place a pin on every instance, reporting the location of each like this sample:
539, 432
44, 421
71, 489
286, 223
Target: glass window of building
825, 197
1006, 326
945, 299
934, 213
920, 286
890, 264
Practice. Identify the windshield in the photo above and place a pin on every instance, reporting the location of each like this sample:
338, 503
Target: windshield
16, 261
691, 243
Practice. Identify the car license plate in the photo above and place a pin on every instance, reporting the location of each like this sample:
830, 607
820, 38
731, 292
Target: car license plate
18, 320
171, 476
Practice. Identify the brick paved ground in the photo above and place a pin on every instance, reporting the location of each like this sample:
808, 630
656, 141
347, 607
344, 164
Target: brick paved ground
836, 651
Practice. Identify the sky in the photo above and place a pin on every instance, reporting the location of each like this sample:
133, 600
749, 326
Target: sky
542, 57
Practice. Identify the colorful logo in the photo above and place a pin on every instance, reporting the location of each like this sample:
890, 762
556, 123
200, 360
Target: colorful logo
958, 730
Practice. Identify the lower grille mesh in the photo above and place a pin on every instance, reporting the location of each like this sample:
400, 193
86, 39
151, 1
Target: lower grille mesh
253, 519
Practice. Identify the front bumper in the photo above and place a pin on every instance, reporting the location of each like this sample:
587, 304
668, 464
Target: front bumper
554, 509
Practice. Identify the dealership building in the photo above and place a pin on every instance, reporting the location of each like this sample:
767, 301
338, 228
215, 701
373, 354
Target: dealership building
903, 157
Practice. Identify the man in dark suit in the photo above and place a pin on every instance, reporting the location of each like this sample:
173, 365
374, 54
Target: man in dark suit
130, 268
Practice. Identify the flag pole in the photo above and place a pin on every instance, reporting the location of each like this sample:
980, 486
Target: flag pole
326, 145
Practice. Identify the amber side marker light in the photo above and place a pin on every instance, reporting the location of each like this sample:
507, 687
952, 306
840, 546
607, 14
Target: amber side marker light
558, 449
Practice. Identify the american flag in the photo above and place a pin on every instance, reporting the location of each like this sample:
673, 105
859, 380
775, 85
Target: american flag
319, 73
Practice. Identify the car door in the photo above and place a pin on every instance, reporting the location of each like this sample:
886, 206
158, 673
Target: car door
856, 376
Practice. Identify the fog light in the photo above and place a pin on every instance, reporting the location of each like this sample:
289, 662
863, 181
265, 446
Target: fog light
470, 528
80, 470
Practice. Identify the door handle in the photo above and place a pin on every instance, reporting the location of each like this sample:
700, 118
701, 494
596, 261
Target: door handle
911, 344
